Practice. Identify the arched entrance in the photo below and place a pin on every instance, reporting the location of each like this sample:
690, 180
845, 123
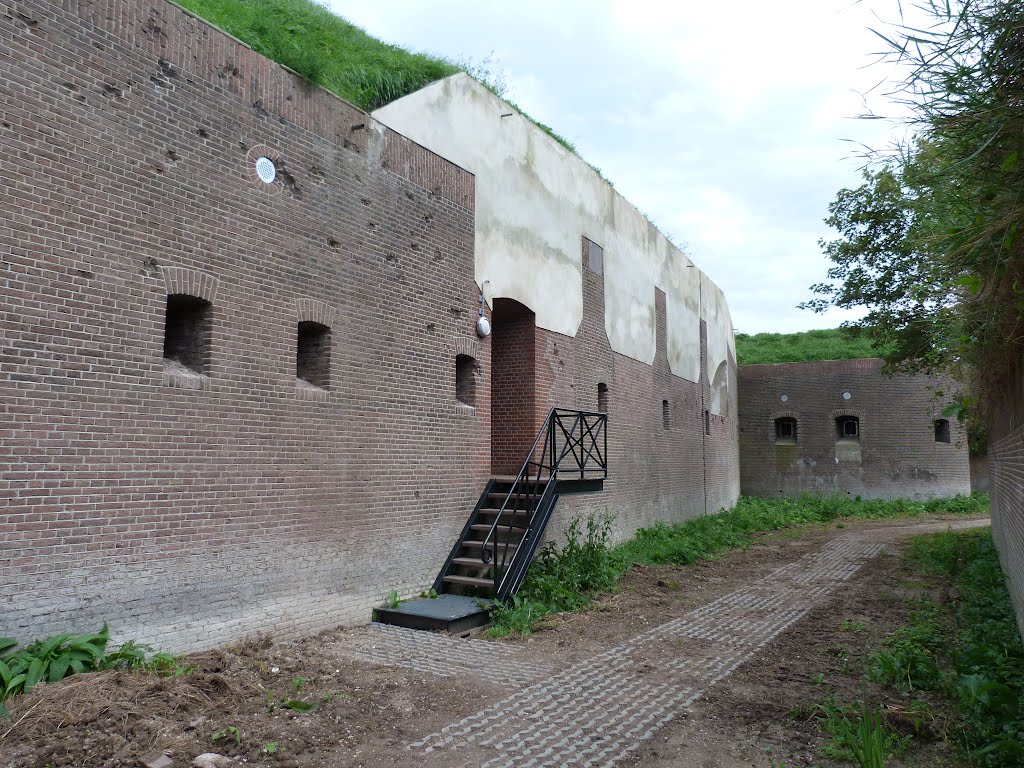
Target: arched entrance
513, 389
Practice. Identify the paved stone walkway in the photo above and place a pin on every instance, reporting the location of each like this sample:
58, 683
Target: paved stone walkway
445, 656
598, 711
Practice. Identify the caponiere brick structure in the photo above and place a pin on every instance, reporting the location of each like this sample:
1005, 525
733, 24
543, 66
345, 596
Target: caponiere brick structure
241, 381
842, 427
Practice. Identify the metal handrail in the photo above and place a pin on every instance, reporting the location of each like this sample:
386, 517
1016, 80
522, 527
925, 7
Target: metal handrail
589, 452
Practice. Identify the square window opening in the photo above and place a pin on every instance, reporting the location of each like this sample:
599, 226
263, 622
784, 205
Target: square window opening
785, 430
466, 375
313, 354
188, 332
941, 430
848, 428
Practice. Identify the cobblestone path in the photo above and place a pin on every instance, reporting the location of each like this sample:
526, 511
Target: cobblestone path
598, 711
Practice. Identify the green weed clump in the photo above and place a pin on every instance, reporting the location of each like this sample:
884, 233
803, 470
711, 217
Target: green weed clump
562, 578
987, 675
910, 657
859, 735
62, 655
703, 537
568, 578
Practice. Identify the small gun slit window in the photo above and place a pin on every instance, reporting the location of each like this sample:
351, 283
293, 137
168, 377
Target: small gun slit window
785, 430
848, 428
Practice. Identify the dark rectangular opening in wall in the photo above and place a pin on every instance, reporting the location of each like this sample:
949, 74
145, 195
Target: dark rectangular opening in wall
188, 332
707, 422
785, 430
595, 257
941, 430
666, 414
465, 379
602, 398
313, 354
848, 428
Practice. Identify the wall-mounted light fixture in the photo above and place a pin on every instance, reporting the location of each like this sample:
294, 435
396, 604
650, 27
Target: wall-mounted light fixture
483, 325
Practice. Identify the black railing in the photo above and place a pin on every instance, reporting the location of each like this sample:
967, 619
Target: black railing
570, 443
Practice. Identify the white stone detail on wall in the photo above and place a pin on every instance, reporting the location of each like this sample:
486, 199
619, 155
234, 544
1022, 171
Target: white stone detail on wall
535, 200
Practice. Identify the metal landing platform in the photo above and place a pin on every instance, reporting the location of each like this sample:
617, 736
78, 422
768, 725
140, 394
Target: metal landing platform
450, 613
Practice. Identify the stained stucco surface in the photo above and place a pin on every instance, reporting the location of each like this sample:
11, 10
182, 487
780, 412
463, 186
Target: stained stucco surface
534, 201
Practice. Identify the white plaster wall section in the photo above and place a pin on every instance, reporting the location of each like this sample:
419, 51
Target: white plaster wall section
534, 202
682, 315
721, 365
527, 234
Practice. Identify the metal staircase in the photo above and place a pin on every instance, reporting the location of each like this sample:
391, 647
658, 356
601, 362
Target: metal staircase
507, 525
502, 534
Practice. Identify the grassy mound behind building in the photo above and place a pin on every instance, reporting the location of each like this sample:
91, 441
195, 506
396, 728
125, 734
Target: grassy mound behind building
824, 344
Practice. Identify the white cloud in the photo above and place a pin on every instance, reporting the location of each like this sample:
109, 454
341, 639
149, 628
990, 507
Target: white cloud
723, 122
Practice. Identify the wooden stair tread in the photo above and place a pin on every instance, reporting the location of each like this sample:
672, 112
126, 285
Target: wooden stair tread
490, 545
471, 562
469, 581
500, 529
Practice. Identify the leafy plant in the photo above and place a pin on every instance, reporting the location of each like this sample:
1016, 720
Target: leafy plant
298, 705
985, 671
849, 625
270, 747
561, 578
867, 739
62, 655
909, 659
859, 734
228, 732
48, 660
393, 601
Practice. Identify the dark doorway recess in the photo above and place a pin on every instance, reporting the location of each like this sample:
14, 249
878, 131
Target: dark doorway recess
513, 385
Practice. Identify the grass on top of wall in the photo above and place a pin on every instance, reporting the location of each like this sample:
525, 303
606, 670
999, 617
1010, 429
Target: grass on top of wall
823, 344
324, 48
569, 577
338, 56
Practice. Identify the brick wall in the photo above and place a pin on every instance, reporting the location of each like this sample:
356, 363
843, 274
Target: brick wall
245, 476
1006, 482
656, 474
513, 397
896, 456
188, 507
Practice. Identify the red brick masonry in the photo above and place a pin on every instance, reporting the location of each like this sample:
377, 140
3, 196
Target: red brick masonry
194, 500
899, 456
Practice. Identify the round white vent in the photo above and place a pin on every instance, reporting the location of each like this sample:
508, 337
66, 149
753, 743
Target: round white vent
846, 395
784, 398
266, 170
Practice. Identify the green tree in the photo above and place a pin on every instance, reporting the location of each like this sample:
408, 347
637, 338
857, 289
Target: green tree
930, 242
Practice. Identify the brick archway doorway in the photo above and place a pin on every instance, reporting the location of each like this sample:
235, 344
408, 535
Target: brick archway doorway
513, 385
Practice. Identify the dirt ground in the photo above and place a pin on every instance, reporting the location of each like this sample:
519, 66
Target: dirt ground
235, 702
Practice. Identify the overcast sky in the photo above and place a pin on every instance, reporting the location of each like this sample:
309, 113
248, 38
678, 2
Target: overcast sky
732, 125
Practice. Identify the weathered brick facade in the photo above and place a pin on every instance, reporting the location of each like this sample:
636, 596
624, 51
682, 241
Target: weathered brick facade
231, 405
1006, 482
900, 452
